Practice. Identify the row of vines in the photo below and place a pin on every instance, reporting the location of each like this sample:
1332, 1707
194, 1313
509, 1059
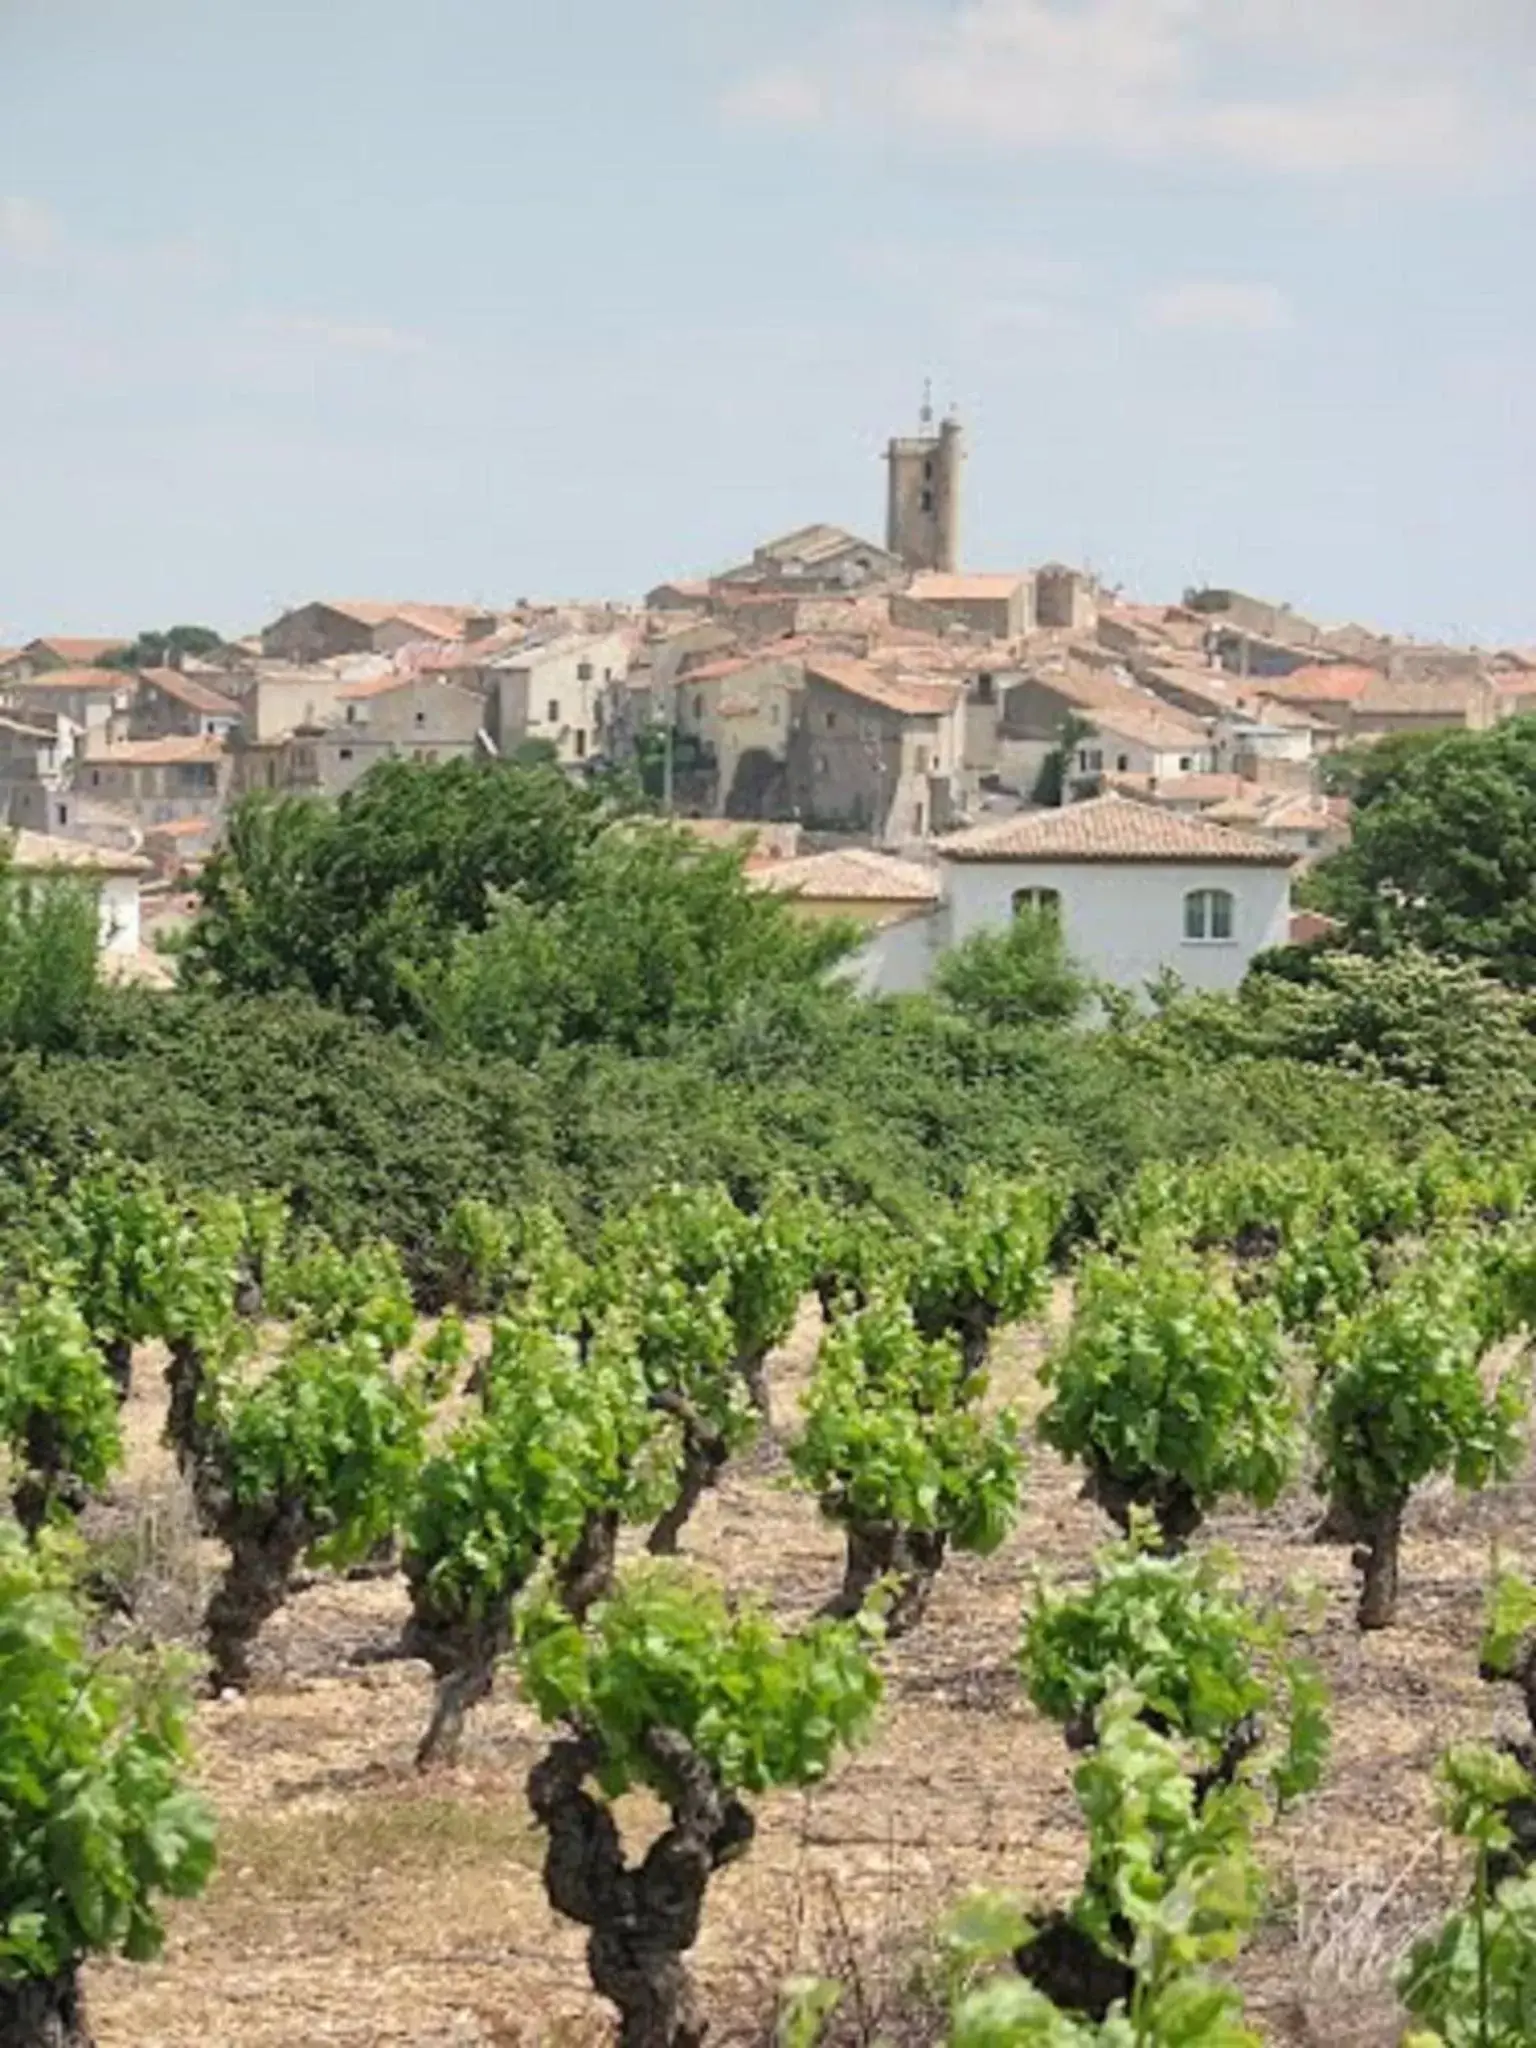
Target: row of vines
529, 1462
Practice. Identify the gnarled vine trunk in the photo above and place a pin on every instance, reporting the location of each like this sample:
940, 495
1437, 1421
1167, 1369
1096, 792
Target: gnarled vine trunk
264, 1554
705, 1457
753, 1367
586, 1576
44, 2012
1170, 1502
1340, 1523
184, 1383
45, 1478
644, 1919
1073, 1972
1376, 1560
912, 1558
118, 1354
458, 1690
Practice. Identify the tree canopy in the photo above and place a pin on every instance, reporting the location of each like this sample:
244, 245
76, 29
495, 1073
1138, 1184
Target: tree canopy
1444, 850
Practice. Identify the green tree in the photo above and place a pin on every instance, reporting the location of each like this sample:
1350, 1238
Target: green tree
361, 902
49, 937
656, 938
1019, 976
95, 1821
165, 648
1443, 853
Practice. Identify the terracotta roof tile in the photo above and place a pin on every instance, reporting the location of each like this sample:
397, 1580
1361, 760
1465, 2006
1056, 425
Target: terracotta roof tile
76, 679
1323, 683
189, 691
76, 651
155, 753
914, 700
931, 587
36, 852
849, 874
1110, 828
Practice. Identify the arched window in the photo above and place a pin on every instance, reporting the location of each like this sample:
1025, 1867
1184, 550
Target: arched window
1038, 902
1208, 914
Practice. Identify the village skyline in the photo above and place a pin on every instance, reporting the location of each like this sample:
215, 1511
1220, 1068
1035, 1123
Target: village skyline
395, 301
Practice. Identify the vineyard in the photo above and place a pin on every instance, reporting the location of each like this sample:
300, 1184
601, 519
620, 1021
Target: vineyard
777, 1620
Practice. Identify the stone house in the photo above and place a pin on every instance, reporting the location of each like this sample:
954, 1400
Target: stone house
563, 690
166, 702
157, 780
37, 749
742, 709
1139, 890
1000, 607
1141, 738
395, 718
875, 754
58, 650
282, 698
328, 627
1066, 598
95, 699
816, 558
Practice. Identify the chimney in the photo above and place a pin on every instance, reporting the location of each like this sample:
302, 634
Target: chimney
480, 626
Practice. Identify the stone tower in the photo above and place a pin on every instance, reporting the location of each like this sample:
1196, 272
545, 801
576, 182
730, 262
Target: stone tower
922, 523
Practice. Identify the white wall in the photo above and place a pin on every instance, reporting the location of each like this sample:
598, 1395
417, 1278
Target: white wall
899, 959
1125, 922
119, 912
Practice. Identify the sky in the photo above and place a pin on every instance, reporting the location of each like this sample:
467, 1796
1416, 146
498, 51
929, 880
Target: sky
472, 300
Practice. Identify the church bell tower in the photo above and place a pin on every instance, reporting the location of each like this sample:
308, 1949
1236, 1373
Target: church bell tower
922, 523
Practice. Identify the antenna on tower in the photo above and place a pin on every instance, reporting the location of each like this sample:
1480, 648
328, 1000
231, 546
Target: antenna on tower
925, 417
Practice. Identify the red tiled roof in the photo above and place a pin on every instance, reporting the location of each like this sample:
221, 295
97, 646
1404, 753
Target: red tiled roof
1323, 683
849, 874
77, 652
35, 852
76, 679
155, 753
932, 587
189, 691
914, 700
1111, 828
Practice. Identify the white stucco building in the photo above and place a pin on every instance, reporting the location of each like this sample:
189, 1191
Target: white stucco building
114, 876
1138, 889
895, 901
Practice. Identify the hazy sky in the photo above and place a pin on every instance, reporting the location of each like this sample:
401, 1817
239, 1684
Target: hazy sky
472, 299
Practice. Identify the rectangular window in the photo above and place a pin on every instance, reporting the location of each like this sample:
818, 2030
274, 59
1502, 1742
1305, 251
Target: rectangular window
1122, 762
421, 718
583, 671
922, 760
927, 501
1186, 762
63, 814
552, 717
581, 744
351, 714
985, 690
831, 721
345, 753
